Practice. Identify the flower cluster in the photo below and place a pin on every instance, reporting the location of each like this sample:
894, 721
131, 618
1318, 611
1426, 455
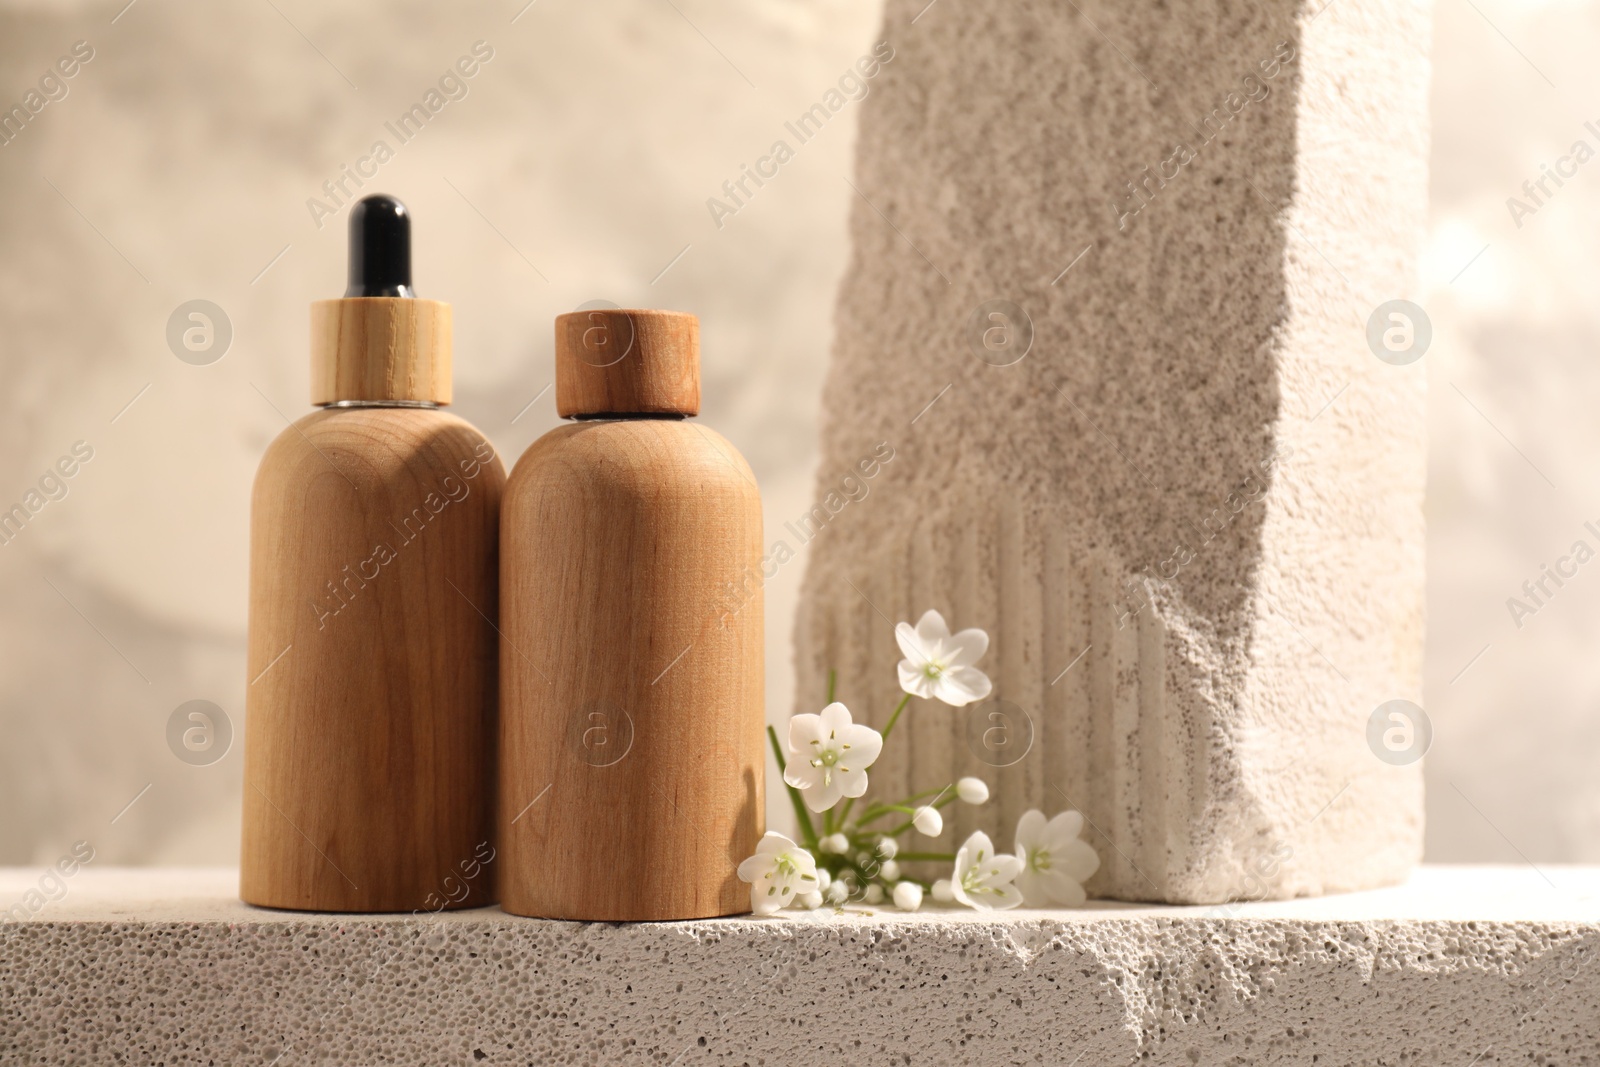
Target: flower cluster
841, 859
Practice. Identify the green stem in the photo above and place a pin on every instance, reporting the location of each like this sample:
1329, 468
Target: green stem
844, 813
874, 814
932, 857
833, 680
898, 708
801, 816
876, 810
944, 801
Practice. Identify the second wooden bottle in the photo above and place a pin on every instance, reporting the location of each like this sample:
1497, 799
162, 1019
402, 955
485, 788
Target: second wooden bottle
631, 754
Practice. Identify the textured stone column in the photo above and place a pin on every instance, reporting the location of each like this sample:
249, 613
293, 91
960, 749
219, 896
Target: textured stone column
1190, 515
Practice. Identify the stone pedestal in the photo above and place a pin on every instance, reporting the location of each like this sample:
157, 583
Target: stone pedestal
167, 967
1109, 307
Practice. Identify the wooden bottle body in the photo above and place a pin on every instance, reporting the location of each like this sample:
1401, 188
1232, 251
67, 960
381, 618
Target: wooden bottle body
370, 714
632, 703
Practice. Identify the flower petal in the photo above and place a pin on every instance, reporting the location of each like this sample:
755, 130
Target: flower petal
967, 647
1030, 830
834, 720
1067, 826
962, 685
865, 745
978, 848
772, 843
824, 793
768, 849
800, 774
1032, 887
910, 643
1061, 889
1000, 897
852, 782
1076, 859
804, 729
913, 681
931, 629
805, 867
1002, 868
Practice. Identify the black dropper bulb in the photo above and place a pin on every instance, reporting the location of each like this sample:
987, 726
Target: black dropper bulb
380, 248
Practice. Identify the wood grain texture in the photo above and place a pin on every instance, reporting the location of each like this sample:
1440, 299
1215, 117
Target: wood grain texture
369, 731
380, 348
612, 361
631, 733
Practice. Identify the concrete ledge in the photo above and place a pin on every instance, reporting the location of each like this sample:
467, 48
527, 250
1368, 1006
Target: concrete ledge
1464, 965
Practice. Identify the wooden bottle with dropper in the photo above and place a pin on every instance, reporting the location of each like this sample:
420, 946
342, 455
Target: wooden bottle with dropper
631, 751
369, 731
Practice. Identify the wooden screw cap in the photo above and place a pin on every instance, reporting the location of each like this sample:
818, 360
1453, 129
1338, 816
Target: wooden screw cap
380, 348
611, 361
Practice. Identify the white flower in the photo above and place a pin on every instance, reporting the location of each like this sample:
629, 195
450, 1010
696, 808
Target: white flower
982, 879
777, 871
908, 896
940, 665
972, 790
1055, 863
928, 820
887, 847
829, 756
890, 871
812, 900
874, 894
838, 844
943, 892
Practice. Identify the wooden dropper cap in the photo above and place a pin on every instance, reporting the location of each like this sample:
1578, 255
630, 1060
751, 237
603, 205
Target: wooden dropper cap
379, 343
611, 361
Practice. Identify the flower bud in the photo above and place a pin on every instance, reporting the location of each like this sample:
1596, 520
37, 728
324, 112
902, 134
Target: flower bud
908, 896
887, 847
972, 790
812, 900
838, 844
874, 894
824, 879
838, 892
928, 820
890, 871
942, 891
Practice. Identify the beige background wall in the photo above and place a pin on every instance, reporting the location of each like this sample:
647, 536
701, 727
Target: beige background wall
577, 166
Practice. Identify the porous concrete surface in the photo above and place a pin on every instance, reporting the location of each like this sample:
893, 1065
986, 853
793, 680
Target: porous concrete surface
1190, 516
1460, 966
